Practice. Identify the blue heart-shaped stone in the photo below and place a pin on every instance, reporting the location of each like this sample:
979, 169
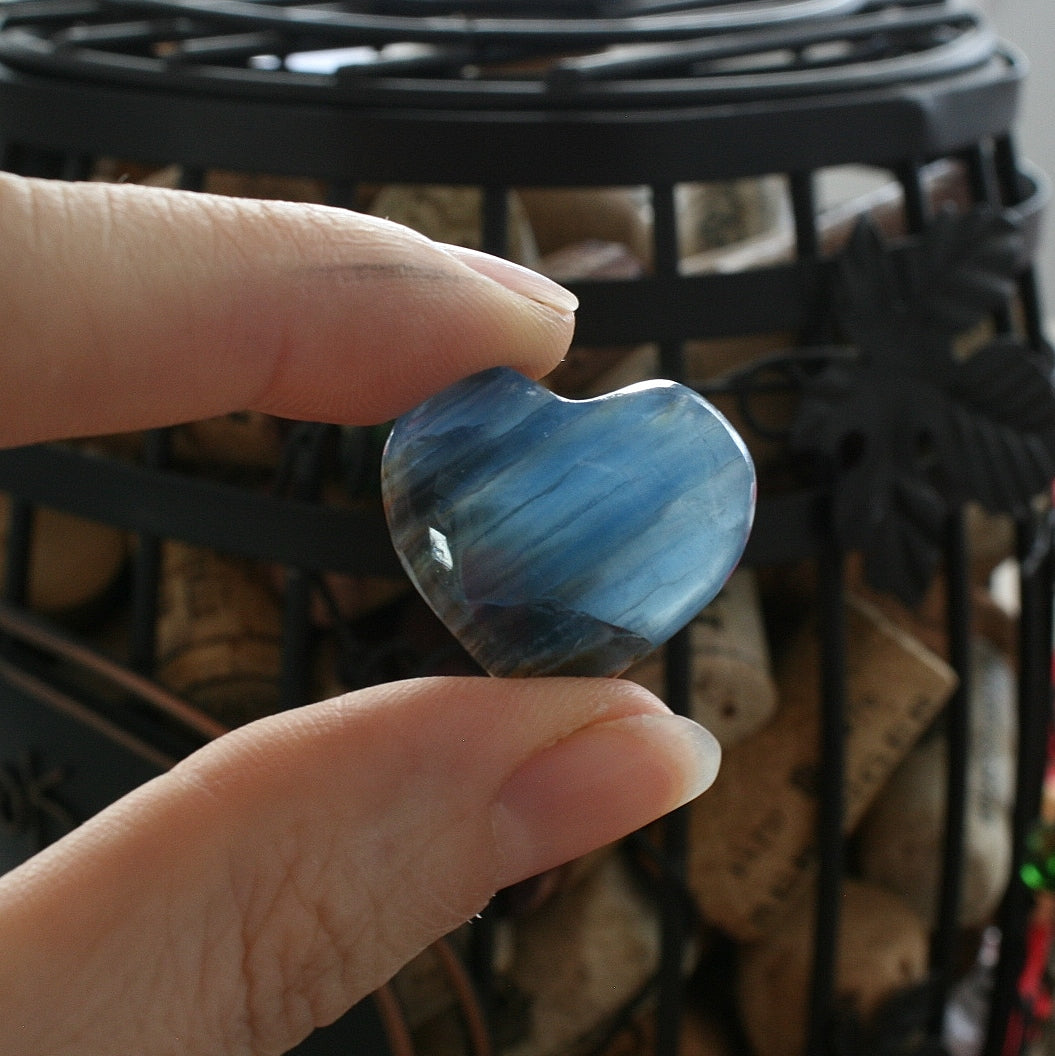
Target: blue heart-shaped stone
566, 537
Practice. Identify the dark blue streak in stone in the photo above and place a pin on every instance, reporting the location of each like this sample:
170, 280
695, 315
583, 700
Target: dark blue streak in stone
554, 536
561, 642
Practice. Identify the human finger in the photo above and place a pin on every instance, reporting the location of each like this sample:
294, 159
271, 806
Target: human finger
291, 867
126, 306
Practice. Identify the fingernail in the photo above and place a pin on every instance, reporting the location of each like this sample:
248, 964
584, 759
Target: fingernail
517, 278
598, 785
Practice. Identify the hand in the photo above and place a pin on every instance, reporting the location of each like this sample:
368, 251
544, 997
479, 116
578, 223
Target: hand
289, 868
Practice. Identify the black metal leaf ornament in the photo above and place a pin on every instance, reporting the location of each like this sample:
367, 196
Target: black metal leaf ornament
1000, 427
919, 418
962, 269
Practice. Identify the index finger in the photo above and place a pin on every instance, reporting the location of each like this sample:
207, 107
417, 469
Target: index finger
123, 307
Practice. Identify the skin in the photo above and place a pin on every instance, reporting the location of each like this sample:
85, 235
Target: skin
289, 868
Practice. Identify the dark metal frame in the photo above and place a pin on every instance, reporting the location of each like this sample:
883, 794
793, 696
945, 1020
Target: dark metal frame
596, 121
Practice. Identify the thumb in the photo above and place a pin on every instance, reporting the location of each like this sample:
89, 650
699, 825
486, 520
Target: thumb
291, 867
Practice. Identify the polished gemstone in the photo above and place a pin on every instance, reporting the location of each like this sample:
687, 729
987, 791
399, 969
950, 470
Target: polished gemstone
566, 537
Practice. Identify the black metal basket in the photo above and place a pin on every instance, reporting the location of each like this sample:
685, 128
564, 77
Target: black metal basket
649, 94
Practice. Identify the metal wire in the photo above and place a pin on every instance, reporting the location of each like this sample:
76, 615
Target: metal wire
709, 53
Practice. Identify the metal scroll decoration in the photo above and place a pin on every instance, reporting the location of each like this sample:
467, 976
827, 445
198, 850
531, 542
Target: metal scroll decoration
935, 405
28, 803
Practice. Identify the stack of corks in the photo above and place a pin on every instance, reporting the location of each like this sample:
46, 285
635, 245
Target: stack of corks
578, 947
752, 844
753, 835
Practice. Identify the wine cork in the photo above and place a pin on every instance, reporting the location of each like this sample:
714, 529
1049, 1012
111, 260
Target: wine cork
575, 376
72, 561
641, 364
753, 833
733, 692
530, 895
591, 259
882, 949
994, 623
928, 621
353, 597
565, 216
121, 170
769, 236
454, 215
423, 985
265, 185
925, 620
248, 440
715, 358
945, 184
341, 597
219, 634
580, 958
901, 837
593, 370
991, 541
216, 181
761, 412
713, 215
